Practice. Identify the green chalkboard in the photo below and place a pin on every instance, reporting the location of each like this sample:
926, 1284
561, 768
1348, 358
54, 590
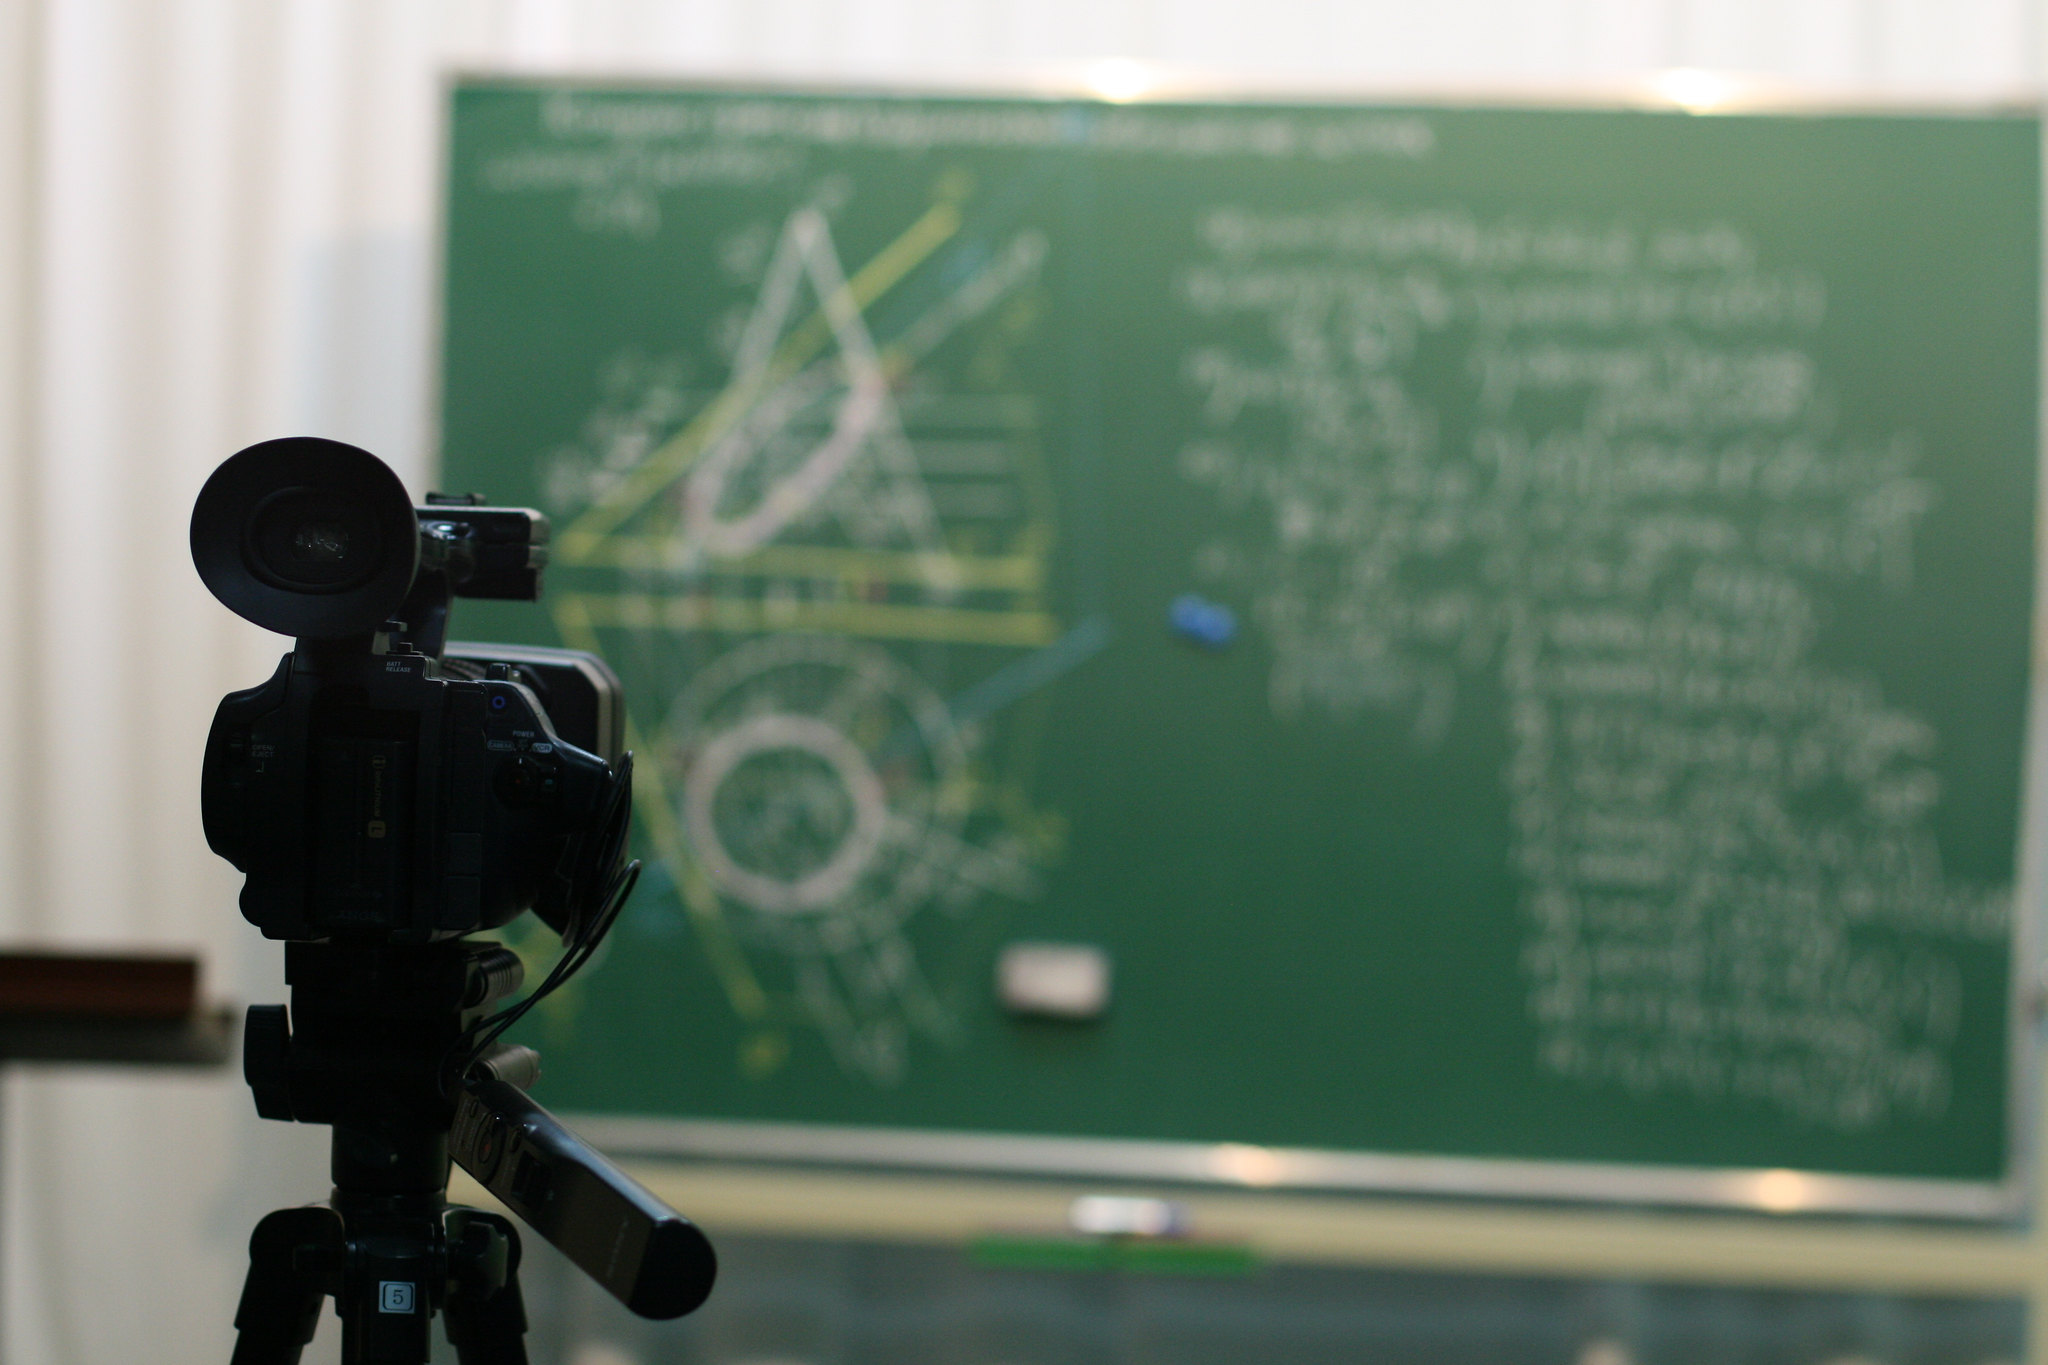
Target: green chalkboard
1505, 630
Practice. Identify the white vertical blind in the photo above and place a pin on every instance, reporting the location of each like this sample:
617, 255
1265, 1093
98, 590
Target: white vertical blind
216, 225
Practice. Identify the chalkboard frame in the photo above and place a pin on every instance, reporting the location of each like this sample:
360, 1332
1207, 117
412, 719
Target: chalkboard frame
1775, 1191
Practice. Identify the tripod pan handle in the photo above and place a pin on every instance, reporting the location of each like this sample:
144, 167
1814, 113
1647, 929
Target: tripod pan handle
649, 1257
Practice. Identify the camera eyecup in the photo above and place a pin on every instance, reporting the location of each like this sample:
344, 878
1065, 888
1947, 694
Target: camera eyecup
306, 537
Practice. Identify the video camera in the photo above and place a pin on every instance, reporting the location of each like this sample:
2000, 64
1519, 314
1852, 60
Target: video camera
380, 785
387, 793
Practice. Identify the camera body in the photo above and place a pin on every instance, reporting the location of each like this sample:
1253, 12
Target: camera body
367, 795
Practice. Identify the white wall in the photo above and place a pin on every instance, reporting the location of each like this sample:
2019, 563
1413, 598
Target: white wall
216, 225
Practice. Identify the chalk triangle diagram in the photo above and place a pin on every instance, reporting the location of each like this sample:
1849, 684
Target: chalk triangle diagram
816, 440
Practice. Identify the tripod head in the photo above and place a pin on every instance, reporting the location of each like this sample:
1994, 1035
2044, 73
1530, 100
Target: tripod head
386, 795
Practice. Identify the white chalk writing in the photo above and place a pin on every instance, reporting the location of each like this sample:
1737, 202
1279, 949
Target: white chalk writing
1622, 534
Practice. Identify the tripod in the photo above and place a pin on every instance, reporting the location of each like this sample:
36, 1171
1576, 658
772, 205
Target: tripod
362, 1050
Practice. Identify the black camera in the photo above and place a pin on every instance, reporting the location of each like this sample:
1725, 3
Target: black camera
386, 793
382, 784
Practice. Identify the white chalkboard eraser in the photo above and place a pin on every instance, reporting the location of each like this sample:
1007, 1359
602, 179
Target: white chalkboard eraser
1053, 980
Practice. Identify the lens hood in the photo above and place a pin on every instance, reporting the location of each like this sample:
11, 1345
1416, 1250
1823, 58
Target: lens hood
306, 537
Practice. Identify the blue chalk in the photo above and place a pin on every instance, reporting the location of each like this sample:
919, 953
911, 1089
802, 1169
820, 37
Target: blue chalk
1196, 619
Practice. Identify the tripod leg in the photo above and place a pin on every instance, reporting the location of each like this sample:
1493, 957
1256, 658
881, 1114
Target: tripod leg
294, 1255
486, 1316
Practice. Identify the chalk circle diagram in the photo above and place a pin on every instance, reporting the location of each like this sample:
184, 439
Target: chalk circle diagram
811, 807
815, 776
